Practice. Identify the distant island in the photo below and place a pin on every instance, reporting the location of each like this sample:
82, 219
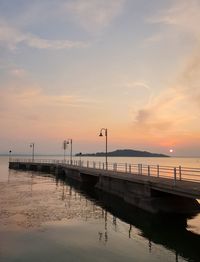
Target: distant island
125, 153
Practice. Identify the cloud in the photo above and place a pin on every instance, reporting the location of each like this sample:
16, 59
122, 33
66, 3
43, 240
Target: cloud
157, 115
27, 111
39, 43
94, 15
11, 37
183, 18
189, 82
182, 15
138, 84
33, 99
176, 110
178, 26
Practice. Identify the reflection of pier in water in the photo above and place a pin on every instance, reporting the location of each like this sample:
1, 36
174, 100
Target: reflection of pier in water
171, 233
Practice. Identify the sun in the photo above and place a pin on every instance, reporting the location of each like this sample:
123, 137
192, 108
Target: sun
171, 150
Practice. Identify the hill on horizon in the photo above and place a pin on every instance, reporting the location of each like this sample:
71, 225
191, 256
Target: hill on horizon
125, 153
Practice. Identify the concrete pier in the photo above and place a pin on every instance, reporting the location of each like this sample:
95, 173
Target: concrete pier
153, 194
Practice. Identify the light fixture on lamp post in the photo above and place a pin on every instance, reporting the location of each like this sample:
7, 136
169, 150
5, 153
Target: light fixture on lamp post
106, 136
32, 145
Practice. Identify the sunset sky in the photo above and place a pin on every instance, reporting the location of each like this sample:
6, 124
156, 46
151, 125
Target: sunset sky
71, 67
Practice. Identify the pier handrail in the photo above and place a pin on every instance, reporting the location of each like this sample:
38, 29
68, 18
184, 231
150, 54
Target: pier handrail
177, 173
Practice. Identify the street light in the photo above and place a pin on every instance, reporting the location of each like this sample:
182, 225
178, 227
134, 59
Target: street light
64, 147
69, 141
10, 152
33, 148
106, 135
79, 154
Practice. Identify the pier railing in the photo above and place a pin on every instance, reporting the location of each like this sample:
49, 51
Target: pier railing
177, 173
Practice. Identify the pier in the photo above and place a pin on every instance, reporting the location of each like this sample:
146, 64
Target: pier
157, 189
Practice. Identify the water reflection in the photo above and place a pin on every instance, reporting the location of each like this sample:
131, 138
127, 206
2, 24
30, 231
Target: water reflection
53, 198
170, 232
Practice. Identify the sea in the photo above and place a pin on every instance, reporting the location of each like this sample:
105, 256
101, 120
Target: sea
45, 218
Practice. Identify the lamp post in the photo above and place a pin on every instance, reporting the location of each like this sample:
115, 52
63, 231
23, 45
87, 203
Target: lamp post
106, 136
10, 152
32, 145
79, 154
64, 147
69, 141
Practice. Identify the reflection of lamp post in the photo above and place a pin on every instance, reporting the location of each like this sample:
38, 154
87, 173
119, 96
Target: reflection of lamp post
10, 152
33, 148
69, 141
106, 135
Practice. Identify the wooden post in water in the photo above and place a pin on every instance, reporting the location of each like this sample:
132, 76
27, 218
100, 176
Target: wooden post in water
148, 170
175, 176
158, 171
126, 167
180, 173
138, 169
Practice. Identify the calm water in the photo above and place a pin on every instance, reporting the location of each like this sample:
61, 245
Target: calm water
46, 219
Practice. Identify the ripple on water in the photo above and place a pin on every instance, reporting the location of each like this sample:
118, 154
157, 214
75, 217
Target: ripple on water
38, 200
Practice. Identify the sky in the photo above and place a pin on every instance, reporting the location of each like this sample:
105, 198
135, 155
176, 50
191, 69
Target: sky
71, 67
